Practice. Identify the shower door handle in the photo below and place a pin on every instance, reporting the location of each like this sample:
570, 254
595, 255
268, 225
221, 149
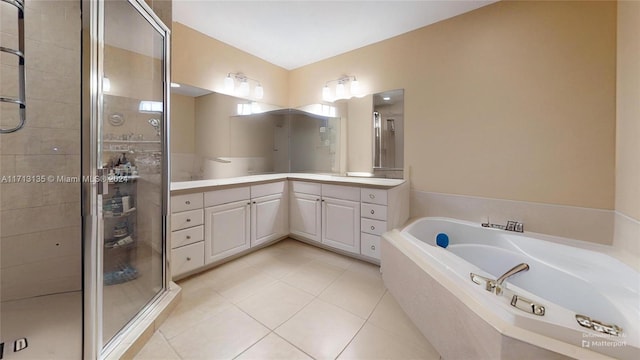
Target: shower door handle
102, 182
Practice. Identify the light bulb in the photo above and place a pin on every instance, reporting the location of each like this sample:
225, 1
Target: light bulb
355, 87
106, 84
258, 91
228, 83
326, 93
340, 90
244, 88
175, 85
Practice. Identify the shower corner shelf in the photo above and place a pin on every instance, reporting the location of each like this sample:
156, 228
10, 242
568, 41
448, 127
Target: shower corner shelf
120, 231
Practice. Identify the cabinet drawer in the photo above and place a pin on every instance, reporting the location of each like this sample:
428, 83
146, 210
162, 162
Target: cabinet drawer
187, 258
187, 236
375, 227
373, 196
341, 192
267, 189
306, 187
372, 211
187, 202
186, 219
226, 196
370, 245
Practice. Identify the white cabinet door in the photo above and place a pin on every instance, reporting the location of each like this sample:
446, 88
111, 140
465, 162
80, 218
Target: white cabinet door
227, 230
267, 218
304, 216
341, 224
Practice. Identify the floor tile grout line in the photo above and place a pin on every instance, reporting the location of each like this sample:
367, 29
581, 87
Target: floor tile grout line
288, 342
169, 344
253, 344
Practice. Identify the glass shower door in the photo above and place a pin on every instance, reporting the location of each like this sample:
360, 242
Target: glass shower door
130, 165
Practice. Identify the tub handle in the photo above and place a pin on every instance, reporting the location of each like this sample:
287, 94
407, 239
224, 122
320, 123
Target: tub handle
527, 305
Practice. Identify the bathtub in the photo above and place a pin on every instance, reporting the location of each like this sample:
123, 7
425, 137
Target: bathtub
565, 277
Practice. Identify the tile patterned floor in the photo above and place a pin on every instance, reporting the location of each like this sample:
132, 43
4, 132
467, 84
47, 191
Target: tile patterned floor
288, 301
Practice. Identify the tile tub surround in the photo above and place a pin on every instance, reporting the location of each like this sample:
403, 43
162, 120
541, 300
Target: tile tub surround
627, 235
288, 301
593, 225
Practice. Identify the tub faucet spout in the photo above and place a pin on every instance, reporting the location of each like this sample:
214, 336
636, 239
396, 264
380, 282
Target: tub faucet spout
514, 270
496, 285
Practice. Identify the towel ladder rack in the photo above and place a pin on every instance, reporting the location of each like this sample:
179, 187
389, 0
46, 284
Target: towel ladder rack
21, 99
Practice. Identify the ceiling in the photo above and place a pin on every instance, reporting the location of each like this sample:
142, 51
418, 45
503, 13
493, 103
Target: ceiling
295, 33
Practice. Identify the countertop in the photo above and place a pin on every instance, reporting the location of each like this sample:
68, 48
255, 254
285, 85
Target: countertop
367, 181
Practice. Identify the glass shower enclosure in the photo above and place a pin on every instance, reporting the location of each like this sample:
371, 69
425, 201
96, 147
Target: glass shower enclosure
84, 185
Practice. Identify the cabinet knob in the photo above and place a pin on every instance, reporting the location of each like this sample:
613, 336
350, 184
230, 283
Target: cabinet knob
249, 203
373, 227
373, 212
188, 258
371, 196
188, 220
317, 199
373, 247
188, 237
188, 202
254, 202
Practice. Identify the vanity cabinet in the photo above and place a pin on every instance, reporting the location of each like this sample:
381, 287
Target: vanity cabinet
212, 226
305, 211
329, 214
227, 223
341, 217
268, 212
187, 233
381, 210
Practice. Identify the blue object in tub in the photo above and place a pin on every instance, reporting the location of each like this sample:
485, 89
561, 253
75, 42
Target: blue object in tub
442, 240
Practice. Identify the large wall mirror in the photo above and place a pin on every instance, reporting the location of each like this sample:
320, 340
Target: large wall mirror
218, 136
388, 133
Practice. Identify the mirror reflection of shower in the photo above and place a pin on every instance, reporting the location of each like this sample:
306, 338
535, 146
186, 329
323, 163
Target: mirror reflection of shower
388, 132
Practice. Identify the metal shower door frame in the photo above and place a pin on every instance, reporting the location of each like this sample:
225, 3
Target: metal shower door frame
93, 25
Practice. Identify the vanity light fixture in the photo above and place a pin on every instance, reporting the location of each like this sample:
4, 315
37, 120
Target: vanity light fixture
244, 88
340, 90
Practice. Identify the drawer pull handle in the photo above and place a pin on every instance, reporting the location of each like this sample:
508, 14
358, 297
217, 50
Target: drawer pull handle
373, 247
372, 212
188, 220
188, 258
188, 202
188, 237
371, 196
373, 227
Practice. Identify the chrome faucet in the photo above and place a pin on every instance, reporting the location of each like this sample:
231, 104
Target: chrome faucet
496, 285
511, 226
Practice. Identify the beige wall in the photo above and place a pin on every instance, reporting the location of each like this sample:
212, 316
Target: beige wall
201, 61
515, 100
182, 124
628, 114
